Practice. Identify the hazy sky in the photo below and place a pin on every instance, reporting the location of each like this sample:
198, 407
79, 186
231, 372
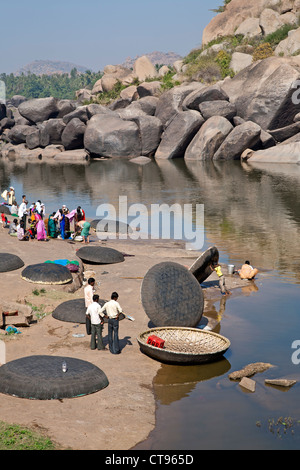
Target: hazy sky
94, 33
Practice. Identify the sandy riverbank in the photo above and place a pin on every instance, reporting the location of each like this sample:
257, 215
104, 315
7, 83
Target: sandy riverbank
123, 414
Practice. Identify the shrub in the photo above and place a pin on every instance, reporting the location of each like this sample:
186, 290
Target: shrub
282, 33
204, 69
262, 52
223, 59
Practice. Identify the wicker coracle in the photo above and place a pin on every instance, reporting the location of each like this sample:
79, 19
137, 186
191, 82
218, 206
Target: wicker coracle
184, 345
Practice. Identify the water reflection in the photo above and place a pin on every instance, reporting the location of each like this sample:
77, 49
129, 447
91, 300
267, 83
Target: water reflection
172, 383
251, 212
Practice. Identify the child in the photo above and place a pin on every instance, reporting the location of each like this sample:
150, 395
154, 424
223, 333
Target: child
216, 267
22, 236
13, 228
4, 220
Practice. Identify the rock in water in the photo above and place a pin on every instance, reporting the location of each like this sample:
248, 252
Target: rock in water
281, 382
209, 138
179, 134
250, 370
242, 137
110, 136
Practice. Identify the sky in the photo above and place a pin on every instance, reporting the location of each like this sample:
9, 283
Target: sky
95, 33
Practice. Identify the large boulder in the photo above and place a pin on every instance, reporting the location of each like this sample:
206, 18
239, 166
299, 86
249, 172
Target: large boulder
240, 61
94, 108
129, 93
150, 129
262, 93
149, 89
131, 111
114, 74
270, 21
83, 95
285, 133
209, 138
209, 93
18, 134
53, 128
97, 88
249, 28
80, 113
16, 100
39, 110
108, 82
243, 137
73, 134
290, 45
217, 108
111, 136
179, 134
289, 153
143, 68
33, 139
170, 102
20, 120
65, 107
6, 123
72, 156
3, 111
148, 104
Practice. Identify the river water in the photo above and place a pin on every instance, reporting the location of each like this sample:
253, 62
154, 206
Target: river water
250, 212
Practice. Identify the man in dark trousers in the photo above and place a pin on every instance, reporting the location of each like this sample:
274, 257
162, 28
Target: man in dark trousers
113, 311
97, 322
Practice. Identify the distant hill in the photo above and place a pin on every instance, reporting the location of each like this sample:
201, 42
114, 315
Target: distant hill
161, 58
49, 67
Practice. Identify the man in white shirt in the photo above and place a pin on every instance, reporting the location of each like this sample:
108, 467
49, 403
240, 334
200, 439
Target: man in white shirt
113, 311
97, 321
89, 291
23, 211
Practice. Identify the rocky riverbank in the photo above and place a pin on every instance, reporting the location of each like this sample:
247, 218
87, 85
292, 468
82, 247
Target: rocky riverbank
256, 110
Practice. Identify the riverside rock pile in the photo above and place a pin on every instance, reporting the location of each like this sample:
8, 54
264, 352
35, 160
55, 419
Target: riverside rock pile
248, 115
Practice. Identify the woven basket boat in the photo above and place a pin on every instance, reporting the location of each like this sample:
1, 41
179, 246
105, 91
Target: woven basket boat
184, 345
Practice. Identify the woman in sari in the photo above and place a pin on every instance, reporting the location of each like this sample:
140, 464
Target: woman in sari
40, 228
52, 230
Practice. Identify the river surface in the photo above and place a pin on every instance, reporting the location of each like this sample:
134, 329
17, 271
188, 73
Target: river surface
250, 212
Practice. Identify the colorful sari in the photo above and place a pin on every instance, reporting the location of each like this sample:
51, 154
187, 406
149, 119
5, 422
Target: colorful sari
40, 228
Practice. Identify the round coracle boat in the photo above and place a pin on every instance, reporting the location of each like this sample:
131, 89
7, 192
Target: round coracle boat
183, 345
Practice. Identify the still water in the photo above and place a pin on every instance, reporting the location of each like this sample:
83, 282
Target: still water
251, 212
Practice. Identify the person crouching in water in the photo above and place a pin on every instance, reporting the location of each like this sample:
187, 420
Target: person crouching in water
247, 271
216, 267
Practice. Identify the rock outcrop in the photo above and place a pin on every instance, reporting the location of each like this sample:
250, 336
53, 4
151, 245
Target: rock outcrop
254, 116
251, 18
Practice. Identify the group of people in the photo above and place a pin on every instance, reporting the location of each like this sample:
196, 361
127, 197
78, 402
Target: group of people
246, 272
95, 315
31, 222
